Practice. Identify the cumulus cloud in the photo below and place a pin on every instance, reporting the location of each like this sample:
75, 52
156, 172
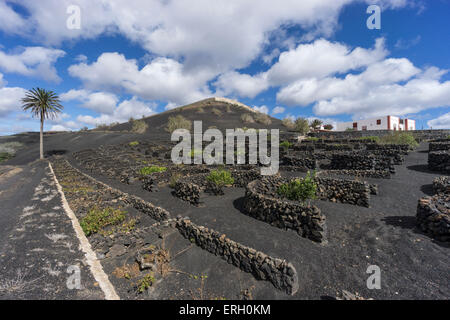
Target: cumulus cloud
32, 61
162, 79
195, 31
322, 58
126, 109
10, 99
442, 122
305, 92
262, 109
315, 60
278, 110
244, 85
103, 102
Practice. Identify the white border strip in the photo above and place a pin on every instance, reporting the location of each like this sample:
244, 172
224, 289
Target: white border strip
94, 264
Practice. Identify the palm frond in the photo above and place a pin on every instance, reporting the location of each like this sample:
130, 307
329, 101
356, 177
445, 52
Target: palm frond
43, 104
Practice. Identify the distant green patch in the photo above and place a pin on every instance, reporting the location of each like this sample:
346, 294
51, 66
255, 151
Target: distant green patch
400, 138
195, 152
149, 170
5, 156
8, 150
134, 143
373, 139
139, 126
312, 139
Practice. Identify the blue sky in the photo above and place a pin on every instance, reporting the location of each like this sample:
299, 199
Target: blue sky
314, 59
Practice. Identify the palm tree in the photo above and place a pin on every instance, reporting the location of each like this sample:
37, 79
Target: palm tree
316, 123
43, 104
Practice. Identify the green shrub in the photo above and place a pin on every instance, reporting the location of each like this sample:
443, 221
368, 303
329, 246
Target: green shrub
5, 156
134, 143
285, 144
300, 189
139, 126
288, 123
145, 283
220, 177
178, 122
149, 170
247, 118
195, 152
174, 179
97, 219
400, 138
302, 126
373, 139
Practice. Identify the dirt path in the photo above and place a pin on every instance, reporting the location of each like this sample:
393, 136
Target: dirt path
39, 251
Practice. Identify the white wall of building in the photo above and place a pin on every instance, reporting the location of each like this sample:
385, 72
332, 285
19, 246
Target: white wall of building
379, 123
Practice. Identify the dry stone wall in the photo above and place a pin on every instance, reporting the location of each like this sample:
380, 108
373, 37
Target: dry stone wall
280, 273
260, 203
439, 161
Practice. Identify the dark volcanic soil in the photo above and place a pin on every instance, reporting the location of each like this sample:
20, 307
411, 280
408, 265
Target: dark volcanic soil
413, 266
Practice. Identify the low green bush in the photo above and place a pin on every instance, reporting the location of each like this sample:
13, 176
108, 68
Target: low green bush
97, 219
139, 126
220, 177
285, 145
300, 189
152, 169
134, 143
400, 138
178, 122
373, 139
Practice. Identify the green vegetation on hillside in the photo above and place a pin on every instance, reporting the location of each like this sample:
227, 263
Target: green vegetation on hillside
139, 126
149, 170
178, 122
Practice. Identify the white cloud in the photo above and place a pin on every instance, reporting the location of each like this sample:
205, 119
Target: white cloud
414, 96
81, 58
305, 92
262, 109
198, 32
322, 58
103, 102
278, 110
124, 111
10, 99
161, 79
442, 122
170, 106
244, 85
315, 60
32, 61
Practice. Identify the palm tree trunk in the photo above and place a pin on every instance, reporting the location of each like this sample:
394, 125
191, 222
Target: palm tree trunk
41, 149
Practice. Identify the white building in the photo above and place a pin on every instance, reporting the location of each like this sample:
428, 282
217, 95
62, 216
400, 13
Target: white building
381, 123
